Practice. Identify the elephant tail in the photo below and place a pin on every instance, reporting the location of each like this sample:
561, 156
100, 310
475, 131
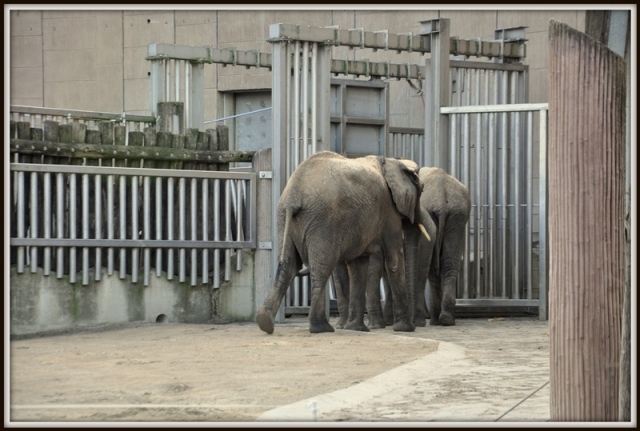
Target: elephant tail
437, 253
286, 242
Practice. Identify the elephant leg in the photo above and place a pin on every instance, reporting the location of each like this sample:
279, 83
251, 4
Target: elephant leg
450, 270
420, 311
357, 283
265, 316
435, 301
394, 264
374, 307
318, 313
450, 263
387, 310
341, 284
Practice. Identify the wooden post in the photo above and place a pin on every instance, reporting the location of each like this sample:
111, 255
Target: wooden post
171, 117
586, 225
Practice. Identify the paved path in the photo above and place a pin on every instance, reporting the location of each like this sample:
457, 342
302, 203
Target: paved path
483, 370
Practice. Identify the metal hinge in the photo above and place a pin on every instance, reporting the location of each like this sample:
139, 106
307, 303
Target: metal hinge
265, 175
265, 245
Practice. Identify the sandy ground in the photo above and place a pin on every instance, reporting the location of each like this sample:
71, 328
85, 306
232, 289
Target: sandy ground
479, 369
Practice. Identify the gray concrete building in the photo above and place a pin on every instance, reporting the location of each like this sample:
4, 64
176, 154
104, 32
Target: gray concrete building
94, 59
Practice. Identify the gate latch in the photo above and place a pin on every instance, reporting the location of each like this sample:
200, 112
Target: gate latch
265, 175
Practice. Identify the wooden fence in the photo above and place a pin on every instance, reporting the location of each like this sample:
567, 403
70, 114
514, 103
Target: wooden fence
61, 208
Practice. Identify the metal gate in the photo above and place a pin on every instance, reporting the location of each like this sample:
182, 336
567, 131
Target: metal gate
500, 156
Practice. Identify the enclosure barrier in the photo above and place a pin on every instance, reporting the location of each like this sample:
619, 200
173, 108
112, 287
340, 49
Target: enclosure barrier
36, 116
84, 208
499, 263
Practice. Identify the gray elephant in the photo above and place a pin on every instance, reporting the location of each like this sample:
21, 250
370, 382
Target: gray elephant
448, 203
338, 210
379, 317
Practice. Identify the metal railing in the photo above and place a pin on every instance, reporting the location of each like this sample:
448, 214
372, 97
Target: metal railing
178, 221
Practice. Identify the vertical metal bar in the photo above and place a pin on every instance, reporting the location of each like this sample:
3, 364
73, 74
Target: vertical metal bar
170, 226
146, 215
305, 290
85, 228
205, 230
239, 216
110, 221
305, 100
73, 217
157, 84
479, 254
59, 221
486, 257
123, 225
187, 99
542, 247
176, 64
492, 203
216, 232
182, 227
287, 106
504, 207
20, 233
314, 89
34, 220
194, 230
159, 210
280, 52
465, 172
228, 236
167, 79
296, 108
134, 228
453, 145
529, 222
296, 291
47, 221
98, 224
516, 209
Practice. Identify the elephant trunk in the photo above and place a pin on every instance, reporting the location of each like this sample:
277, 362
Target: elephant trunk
411, 241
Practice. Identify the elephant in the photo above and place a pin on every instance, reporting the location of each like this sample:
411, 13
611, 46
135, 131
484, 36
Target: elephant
379, 317
447, 202
337, 210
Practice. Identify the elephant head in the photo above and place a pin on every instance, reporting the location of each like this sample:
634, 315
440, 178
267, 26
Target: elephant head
406, 189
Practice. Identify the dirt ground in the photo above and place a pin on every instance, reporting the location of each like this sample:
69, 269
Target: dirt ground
166, 372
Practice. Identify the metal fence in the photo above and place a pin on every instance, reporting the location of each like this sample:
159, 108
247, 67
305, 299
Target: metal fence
73, 218
505, 169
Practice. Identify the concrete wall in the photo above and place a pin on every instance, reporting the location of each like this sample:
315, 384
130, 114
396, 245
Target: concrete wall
39, 303
95, 59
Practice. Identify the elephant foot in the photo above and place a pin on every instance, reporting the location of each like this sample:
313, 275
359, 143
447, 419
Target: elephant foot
356, 326
446, 319
265, 321
376, 322
341, 322
319, 327
402, 326
420, 322
434, 322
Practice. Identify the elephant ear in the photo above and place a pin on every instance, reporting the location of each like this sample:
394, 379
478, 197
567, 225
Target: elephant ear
404, 184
